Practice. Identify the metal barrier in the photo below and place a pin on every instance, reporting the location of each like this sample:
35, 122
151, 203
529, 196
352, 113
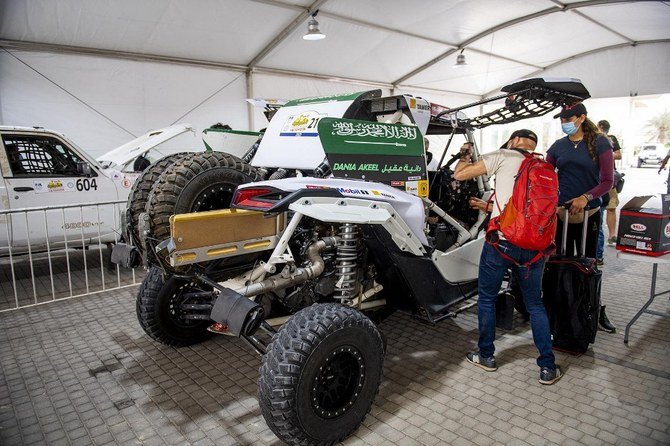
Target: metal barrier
59, 252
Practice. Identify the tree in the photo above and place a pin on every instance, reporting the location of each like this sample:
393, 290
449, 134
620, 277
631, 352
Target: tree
659, 126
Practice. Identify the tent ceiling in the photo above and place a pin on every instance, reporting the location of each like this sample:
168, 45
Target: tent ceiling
410, 43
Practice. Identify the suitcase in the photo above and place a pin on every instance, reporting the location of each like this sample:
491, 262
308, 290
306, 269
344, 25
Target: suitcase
571, 293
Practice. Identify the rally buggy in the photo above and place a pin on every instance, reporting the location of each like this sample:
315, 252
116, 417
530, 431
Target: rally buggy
324, 257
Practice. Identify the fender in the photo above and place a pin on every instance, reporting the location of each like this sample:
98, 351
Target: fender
359, 211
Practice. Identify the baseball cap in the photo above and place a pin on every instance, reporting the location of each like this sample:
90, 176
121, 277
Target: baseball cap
521, 133
568, 111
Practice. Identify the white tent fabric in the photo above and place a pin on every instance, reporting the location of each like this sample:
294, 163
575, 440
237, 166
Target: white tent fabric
101, 70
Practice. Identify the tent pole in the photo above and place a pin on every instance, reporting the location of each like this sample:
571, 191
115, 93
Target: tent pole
250, 94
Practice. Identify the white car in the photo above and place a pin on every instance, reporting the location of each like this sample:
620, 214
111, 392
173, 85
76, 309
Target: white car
651, 154
42, 169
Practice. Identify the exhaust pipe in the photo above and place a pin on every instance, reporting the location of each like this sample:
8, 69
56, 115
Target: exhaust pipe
242, 315
301, 275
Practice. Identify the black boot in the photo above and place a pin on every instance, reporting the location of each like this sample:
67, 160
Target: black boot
604, 323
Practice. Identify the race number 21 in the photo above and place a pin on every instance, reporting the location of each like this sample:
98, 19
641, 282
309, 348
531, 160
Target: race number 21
86, 184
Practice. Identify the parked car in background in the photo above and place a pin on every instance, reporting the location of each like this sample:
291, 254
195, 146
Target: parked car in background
650, 154
42, 169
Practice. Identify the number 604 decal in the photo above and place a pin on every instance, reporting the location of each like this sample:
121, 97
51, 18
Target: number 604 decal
86, 184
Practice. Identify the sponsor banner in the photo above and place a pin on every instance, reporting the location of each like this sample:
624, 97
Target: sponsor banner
407, 173
373, 138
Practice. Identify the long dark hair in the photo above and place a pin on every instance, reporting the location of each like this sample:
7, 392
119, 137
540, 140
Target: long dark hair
591, 133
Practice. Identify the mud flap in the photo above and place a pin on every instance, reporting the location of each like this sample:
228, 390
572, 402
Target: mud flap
127, 256
241, 315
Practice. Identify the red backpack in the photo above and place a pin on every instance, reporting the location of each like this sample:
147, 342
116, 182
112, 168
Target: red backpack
529, 218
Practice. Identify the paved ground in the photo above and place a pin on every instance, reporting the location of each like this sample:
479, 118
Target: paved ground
47, 278
82, 372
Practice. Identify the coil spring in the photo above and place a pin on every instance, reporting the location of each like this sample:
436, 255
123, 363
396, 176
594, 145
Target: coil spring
346, 269
279, 174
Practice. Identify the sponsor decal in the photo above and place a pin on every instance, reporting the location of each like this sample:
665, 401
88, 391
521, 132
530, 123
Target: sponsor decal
313, 186
350, 191
302, 124
412, 187
126, 183
412, 103
666, 230
414, 178
382, 194
82, 224
397, 183
638, 227
423, 188
422, 107
56, 185
116, 175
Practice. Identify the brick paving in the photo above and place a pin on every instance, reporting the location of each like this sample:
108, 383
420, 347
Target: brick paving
59, 274
82, 372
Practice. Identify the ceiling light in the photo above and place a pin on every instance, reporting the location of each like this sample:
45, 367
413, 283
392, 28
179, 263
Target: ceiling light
313, 32
460, 60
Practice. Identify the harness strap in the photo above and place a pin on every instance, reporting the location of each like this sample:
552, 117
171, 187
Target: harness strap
493, 239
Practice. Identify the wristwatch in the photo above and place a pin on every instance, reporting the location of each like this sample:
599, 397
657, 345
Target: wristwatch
589, 197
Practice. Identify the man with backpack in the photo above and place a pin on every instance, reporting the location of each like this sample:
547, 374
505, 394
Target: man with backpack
528, 220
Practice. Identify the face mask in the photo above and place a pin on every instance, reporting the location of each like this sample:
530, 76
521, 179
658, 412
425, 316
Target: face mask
569, 128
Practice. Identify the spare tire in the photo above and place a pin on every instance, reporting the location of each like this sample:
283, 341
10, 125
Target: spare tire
139, 193
203, 182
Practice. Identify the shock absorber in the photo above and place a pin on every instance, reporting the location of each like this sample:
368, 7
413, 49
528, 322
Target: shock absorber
323, 169
279, 174
251, 152
346, 270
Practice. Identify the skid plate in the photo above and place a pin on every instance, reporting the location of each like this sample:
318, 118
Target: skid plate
203, 236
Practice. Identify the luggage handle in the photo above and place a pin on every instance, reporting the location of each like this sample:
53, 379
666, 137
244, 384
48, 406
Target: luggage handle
585, 226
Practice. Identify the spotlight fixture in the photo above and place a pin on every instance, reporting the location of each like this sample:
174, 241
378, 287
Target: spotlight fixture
460, 60
313, 32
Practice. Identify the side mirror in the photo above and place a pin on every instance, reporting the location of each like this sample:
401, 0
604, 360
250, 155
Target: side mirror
83, 168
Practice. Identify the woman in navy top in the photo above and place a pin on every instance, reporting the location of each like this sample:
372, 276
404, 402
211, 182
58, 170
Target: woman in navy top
585, 164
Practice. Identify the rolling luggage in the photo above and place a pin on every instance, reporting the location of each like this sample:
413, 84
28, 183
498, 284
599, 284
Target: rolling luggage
571, 293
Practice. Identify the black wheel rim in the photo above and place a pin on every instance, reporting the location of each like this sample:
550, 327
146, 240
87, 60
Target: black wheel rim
338, 382
214, 197
180, 296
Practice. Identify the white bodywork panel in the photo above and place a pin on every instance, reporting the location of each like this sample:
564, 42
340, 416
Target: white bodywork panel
461, 264
409, 207
292, 140
141, 145
233, 143
361, 211
420, 109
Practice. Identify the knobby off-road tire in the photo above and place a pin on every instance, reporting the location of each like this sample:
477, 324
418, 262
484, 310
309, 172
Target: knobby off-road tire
320, 375
203, 182
159, 315
139, 193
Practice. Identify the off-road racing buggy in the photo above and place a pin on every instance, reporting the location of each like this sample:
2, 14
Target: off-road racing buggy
325, 257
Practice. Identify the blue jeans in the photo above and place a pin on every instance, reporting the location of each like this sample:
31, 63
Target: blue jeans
600, 246
492, 268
